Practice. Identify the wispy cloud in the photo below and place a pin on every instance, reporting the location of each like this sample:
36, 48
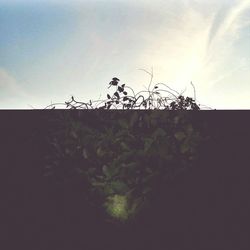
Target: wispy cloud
226, 20
225, 28
200, 45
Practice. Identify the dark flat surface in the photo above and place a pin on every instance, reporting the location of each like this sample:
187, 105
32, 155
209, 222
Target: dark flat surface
207, 208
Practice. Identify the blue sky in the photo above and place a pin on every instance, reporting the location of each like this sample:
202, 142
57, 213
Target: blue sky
50, 50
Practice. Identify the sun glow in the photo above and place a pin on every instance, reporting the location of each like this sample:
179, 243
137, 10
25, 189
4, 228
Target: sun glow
117, 207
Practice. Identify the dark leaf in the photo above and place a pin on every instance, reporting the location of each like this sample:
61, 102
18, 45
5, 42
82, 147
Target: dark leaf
179, 135
147, 144
108, 96
117, 95
114, 83
159, 132
119, 186
120, 89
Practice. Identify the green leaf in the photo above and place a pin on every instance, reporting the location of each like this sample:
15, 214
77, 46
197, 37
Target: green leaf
148, 143
124, 157
124, 146
119, 186
98, 184
123, 123
108, 190
130, 167
184, 148
110, 171
100, 151
180, 135
159, 132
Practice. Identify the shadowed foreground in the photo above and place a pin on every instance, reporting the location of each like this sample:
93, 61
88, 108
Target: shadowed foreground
204, 208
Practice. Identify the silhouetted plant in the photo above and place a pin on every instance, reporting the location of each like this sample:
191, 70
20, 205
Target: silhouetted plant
121, 155
161, 96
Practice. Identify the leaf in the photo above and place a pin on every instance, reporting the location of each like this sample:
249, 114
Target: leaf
124, 146
84, 153
100, 152
110, 171
119, 186
147, 144
120, 89
180, 136
184, 148
159, 132
125, 93
114, 83
108, 96
123, 123
125, 156
131, 165
98, 184
136, 205
105, 169
108, 190
117, 95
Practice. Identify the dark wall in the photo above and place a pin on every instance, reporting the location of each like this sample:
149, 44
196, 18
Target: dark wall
205, 208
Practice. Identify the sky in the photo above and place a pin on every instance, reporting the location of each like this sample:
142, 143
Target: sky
50, 50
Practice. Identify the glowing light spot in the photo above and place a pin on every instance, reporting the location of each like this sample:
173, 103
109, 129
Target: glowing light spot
117, 207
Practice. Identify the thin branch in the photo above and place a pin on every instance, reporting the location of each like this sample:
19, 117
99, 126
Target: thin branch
194, 90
